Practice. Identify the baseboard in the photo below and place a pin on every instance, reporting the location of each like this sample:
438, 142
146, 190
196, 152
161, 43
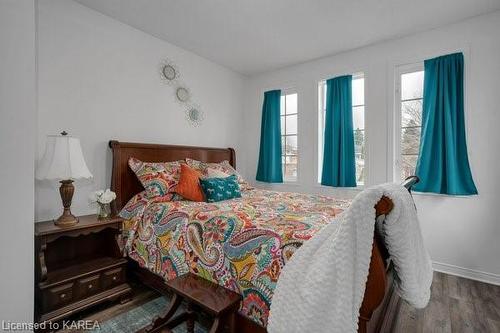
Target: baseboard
467, 273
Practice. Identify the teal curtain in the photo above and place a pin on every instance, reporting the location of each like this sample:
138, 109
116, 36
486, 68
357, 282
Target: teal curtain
269, 169
339, 168
443, 165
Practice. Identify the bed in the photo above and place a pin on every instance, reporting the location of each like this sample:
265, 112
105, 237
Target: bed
240, 244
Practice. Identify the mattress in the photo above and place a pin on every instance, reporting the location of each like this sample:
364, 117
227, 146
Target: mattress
241, 244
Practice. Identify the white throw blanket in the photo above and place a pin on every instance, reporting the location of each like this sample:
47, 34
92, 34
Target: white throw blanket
322, 287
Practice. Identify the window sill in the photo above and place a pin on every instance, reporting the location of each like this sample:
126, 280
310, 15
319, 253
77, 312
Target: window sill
291, 183
438, 195
285, 183
357, 188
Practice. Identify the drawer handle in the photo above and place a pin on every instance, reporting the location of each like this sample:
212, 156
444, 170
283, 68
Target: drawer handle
90, 286
63, 296
114, 278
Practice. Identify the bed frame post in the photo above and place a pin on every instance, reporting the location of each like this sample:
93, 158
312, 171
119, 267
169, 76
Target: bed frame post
379, 300
232, 159
115, 177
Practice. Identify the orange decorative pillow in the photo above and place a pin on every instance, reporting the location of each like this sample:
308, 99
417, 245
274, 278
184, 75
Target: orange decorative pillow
189, 184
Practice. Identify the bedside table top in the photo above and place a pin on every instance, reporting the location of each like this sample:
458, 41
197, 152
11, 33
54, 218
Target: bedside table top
84, 222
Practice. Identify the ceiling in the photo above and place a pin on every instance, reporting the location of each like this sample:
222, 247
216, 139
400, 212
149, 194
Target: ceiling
254, 36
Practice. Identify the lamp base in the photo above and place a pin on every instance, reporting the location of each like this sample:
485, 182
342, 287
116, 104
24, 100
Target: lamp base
66, 190
66, 220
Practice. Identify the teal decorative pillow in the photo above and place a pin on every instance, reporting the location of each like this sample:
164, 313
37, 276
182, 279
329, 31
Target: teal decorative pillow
218, 189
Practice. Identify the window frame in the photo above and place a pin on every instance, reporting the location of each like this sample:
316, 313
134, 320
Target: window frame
321, 128
396, 158
284, 93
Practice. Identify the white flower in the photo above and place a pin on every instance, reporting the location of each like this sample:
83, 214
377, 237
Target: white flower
103, 197
107, 197
94, 196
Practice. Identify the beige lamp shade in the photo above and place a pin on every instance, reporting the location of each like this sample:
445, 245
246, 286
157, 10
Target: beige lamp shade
63, 159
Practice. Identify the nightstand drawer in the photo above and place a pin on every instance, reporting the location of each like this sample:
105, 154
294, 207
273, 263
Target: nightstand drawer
58, 296
88, 286
113, 277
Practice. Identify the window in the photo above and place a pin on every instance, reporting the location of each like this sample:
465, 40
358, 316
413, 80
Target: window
358, 114
289, 136
409, 98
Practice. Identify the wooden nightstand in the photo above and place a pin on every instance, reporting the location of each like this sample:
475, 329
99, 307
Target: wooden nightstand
77, 267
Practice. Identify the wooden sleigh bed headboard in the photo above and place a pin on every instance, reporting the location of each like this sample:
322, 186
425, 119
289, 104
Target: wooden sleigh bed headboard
123, 180
378, 299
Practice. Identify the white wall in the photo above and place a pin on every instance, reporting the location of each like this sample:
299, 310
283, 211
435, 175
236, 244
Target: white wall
17, 124
462, 234
99, 80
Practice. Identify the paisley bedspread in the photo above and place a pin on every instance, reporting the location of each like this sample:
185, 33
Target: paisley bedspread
241, 244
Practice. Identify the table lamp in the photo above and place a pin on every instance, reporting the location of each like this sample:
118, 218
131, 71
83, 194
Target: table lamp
63, 161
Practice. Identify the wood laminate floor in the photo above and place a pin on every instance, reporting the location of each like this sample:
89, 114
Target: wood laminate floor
457, 305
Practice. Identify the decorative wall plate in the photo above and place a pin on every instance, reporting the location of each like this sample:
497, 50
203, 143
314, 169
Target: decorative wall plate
194, 115
182, 94
169, 71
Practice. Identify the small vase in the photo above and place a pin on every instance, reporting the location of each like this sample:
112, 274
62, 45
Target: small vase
104, 211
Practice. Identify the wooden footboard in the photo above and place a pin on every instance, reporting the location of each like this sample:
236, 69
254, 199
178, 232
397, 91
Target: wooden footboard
380, 300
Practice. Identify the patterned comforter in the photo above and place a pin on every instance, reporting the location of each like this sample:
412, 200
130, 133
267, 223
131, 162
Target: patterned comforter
241, 244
